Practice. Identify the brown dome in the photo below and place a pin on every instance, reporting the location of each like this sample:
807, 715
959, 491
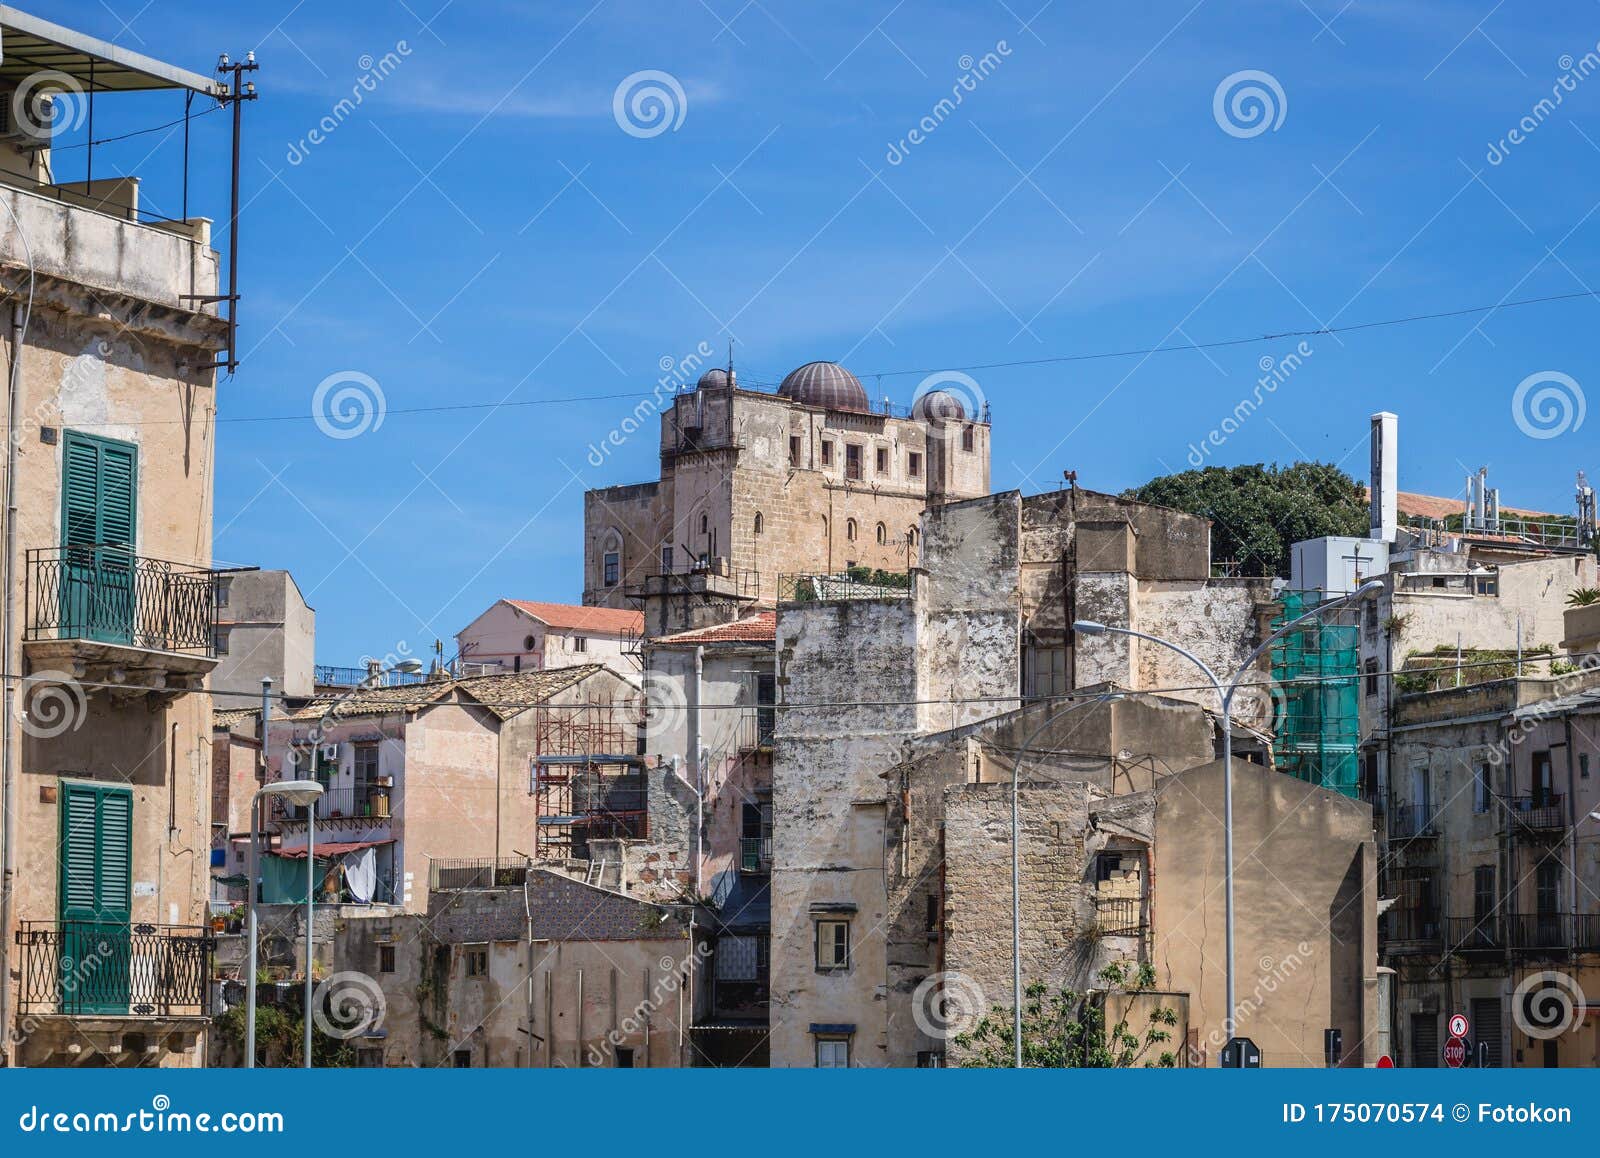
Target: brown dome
825, 384
939, 406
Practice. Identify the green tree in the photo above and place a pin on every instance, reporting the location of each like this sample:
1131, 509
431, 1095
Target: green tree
280, 1034
1067, 1030
1257, 511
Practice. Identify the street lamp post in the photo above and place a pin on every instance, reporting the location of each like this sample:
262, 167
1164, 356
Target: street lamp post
303, 792
1225, 699
1016, 866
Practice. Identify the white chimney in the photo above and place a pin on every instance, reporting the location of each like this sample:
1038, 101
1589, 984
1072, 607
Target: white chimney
1385, 475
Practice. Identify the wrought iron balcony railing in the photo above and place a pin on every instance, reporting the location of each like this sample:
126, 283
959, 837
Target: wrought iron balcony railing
373, 802
852, 583
477, 873
1485, 934
1411, 931
1541, 932
112, 969
107, 594
1540, 813
755, 854
756, 726
1412, 822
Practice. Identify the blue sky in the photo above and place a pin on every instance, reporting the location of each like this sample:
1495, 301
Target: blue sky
482, 229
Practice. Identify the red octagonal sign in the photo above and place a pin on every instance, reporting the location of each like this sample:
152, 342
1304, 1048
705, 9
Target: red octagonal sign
1455, 1053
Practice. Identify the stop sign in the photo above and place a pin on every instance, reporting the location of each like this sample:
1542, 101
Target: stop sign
1455, 1052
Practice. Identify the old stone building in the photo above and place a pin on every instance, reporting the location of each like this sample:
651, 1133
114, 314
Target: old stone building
1493, 859
866, 670
814, 478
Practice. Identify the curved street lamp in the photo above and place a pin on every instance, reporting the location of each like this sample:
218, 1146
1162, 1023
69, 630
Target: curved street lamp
1225, 698
300, 792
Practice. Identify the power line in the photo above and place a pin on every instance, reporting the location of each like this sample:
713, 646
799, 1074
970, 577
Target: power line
1057, 359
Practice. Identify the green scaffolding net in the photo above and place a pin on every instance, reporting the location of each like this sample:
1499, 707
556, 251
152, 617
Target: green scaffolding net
1315, 679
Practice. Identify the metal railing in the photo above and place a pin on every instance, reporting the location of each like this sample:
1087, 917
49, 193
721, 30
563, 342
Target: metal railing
1412, 822
326, 675
1538, 812
100, 968
372, 802
1411, 930
1553, 931
479, 873
756, 726
1120, 916
857, 583
1485, 934
755, 854
107, 594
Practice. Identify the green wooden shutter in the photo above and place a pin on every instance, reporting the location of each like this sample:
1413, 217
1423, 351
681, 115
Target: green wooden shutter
80, 492
80, 824
96, 899
118, 467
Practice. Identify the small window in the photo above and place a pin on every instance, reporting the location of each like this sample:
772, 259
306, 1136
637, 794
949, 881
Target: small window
1371, 670
477, 962
883, 534
219, 641
705, 523
624, 1058
833, 945
852, 460
1583, 765
827, 453
580, 643
461, 1059
850, 530
883, 460
222, 591
385, 958
914, 464
967, 437
369, 1059
911, 536
613, 568
833, 1053
794, 450
930, 1059
666, 560
759, 522
1480, 789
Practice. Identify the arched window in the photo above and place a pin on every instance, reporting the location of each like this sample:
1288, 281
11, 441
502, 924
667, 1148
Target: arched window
758, 522
824, 528
883, 534
850, 530
911, 536
705, 524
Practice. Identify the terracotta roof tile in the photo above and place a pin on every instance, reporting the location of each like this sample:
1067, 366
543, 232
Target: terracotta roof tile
759, 628
573, 618
504, 695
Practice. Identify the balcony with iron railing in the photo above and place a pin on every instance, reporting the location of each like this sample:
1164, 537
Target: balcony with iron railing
107, 969
331, 676
1485, 934
1541, 933
1538, 813
755, 853
1413, 822
756, 726
361, 802
852, 583
457, 873
1407, 931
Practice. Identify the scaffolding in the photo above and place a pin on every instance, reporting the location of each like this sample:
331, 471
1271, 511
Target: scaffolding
1316, 672
588, 780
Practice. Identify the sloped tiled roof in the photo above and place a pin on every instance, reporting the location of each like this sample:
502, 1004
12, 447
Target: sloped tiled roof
503, 695
574, 618
759, 628
228, 717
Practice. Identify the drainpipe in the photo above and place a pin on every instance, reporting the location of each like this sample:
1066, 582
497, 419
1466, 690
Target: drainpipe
1572, 829
8, 756
697, 758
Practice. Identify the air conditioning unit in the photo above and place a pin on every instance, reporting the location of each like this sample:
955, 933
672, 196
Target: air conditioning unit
31, 127
330, 751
